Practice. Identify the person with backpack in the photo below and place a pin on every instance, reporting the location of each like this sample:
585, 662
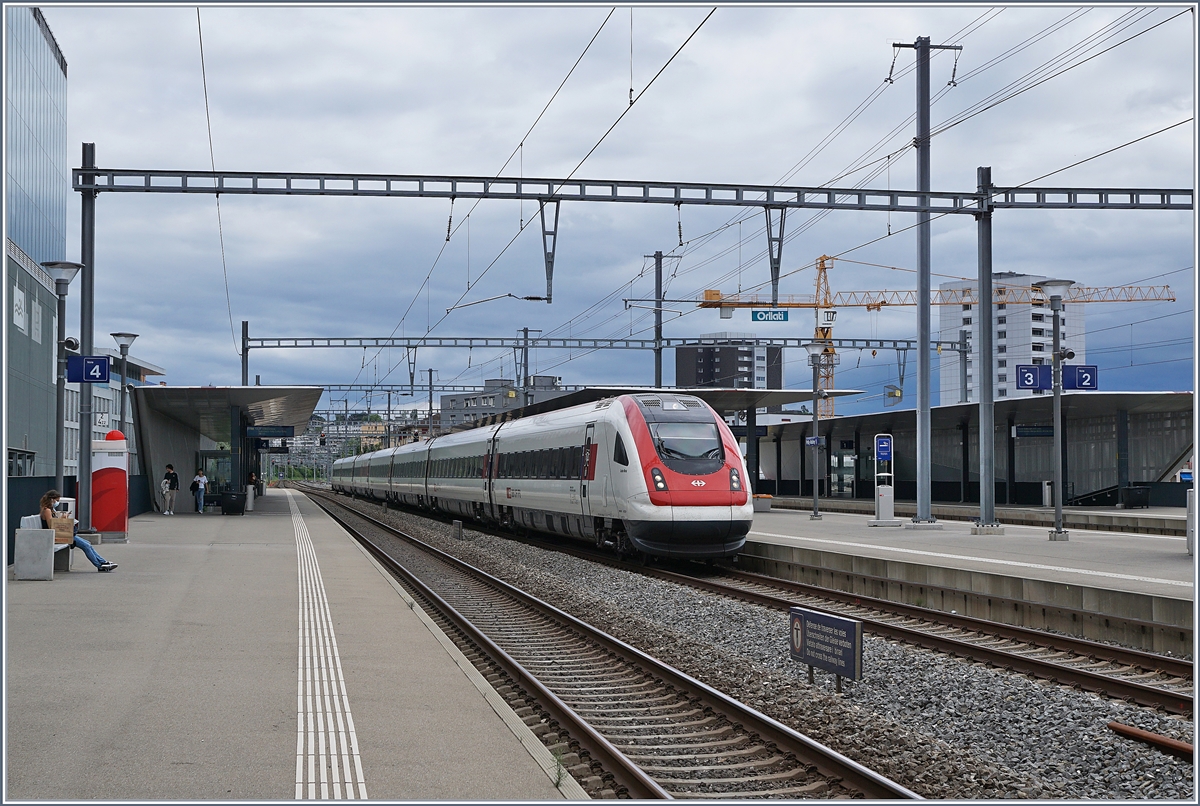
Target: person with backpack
170, 486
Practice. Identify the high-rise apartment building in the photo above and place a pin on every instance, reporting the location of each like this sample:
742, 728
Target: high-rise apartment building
733, 362
1021, 334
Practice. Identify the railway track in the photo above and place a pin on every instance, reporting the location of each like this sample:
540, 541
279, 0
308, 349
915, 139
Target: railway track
1156, 681
658, 732
1152, 680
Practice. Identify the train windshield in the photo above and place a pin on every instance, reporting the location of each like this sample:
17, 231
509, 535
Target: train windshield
688, 442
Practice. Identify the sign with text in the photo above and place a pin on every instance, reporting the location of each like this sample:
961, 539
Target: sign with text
826, 641
1080, 376
1035, 376
270, 431
1033, 431
814, 441
87, 369
883, 447
768, 316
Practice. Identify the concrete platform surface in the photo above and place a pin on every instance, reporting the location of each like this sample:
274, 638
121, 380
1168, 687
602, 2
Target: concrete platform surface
1156, 565
262, 657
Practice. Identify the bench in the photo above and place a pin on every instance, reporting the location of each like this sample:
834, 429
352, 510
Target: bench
36, 555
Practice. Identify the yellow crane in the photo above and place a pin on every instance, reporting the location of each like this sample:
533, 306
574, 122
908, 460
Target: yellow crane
827, 303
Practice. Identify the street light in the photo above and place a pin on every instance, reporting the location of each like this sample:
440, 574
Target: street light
1055, 289
124, 340
818, 357
63, 273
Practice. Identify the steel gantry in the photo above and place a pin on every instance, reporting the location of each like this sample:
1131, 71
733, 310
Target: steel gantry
90, 180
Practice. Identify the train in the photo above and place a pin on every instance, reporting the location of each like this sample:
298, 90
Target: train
659, 475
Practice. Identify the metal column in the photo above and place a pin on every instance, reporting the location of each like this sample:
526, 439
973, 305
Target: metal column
60, 391
963, 356
1059, 430
752, 446
985, 374
245, 353
924, 457
658, 294
87, 256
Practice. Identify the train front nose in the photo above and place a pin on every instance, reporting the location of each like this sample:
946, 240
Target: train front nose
692, 533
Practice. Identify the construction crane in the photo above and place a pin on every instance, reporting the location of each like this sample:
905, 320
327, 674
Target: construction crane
827, 303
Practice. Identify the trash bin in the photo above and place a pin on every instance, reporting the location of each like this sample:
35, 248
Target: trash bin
250, 488
885, 503
1132, 497
1047, 493
233, 503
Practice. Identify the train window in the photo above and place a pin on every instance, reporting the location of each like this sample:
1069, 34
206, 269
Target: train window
619, 455
543, 464
577, 462
557, 471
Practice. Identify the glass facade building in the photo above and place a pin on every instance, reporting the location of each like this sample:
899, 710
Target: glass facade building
36, 188
38, 179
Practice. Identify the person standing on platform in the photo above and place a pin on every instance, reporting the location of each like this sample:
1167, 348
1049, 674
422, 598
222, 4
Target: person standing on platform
198, 485
49, 502
170, 486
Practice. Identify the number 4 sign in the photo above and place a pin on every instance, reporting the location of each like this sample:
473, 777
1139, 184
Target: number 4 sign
87, 368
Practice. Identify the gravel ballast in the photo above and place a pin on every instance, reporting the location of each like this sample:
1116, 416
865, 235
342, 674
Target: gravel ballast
944, 727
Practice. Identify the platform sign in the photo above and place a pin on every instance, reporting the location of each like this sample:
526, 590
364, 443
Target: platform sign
883, 447
769, 316
270, 431
1035, 376
1033, 431
1080, 376
87, 369
826, 641
814, 441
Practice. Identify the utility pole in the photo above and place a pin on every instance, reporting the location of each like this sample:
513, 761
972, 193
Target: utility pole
87, 256
986, 363
658, 303
388, 427
924, 365
245, 353
526, 379
429, 419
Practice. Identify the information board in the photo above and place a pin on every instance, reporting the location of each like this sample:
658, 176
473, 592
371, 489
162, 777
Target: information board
1035, 376
883, 447
768, 316
826, 641
270, 431
813, 441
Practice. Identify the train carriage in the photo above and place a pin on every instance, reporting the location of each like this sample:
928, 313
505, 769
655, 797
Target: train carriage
656, 473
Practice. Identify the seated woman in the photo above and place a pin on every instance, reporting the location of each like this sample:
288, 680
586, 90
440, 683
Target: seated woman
48, 503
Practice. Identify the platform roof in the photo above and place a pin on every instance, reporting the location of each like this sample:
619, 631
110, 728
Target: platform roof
206, 408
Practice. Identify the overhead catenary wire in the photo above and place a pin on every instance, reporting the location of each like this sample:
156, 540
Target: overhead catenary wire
213, 160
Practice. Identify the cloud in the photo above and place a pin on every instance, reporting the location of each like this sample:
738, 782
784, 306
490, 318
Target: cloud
453, 90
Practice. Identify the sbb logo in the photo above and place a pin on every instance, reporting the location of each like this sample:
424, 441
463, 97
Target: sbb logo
697, 482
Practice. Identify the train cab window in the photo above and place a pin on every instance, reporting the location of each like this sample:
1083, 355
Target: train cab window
619, 455
689, 447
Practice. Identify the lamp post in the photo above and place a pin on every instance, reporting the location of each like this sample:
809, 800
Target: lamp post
819, 354
63, 273
1055, 289
124, 340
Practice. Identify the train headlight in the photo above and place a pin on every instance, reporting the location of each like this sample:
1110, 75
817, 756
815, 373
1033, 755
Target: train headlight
660, 483
735, 480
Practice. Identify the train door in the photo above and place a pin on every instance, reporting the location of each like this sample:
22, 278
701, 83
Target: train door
587, 471
489, 474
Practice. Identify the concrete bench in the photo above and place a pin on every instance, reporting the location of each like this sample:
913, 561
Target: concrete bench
37, 556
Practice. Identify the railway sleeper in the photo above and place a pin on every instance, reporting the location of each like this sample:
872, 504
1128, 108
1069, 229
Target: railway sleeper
745, 751
658, 711
756, 764
706, 738
786, 775
813, 790
670, 718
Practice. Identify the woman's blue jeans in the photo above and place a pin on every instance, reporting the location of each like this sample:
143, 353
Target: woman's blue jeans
200, 500
92, 556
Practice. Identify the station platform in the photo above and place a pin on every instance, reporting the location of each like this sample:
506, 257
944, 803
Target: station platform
262, 657
1145, 578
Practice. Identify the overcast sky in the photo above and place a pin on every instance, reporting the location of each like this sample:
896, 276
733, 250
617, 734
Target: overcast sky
754, 95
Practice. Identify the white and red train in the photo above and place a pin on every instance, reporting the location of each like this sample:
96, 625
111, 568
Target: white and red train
660, 474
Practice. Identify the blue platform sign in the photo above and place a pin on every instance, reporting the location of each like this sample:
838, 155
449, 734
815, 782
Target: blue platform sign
883, 447
826, 641
87, 368
769, 316
1080, 376
814, 441
1035, 376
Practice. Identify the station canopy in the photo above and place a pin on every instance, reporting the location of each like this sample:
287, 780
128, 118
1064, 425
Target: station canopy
205, 409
